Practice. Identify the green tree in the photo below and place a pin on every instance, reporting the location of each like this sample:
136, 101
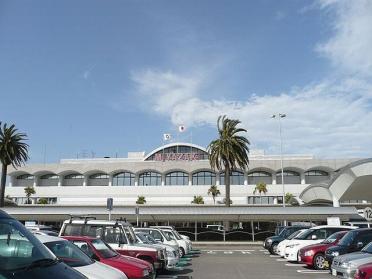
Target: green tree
229, 151
214, 192
42, 201
260, 188
13, 151
141, 200
198, 200
29, 190
288, 197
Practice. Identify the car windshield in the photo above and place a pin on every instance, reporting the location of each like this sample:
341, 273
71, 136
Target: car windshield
332, 238
293, 235
176, 234
305, 234
69, 253
348, 239
143, 238
170, 235
130, 234
104, 249
368, 248
166, 236
19, 248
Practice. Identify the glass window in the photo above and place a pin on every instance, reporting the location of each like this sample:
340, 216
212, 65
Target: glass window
74, 176
26, 177
149, 179
49, 180
49, 176
290, 177
84, 246
98, 179
19, 248
114, 234
259, 176
123, 179
177, 178
73, 179
72, 229
105, 250
236, 178
204, 178
316, 176
69, 253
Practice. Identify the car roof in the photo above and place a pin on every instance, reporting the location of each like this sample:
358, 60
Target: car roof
48, 238
331, 226
79, 237
96, 222
4, 215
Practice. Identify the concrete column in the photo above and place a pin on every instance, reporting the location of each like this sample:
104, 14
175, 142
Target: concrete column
60, 180
11, 179
136, 180
85, 182
274, 178
162, 179
336, 202
110, 179
218, 182
245, 178
190, 179
36, 178
302, 175
275, 200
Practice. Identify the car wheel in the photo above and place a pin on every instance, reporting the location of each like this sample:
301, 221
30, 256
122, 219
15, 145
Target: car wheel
273, 248
182, 252
318, 261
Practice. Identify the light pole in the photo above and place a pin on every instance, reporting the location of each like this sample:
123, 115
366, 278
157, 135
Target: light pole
280, 116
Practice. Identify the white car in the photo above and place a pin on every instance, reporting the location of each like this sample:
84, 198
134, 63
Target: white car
184, 245
75, 258
313, 235
280, 249
160, 236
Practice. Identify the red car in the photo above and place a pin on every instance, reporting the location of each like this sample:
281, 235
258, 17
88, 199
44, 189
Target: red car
364, 272
313, 255
98, 250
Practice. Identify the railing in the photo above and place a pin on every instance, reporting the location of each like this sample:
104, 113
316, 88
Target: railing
234, 235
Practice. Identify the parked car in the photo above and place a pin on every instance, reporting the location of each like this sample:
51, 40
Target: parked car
179, 236
119, 235
44, 232
23, 256
173, 255
314, 255
345, 266
364, 272
311, 236
100, 251
280, 249
77, 259
160, 236
272, 242
353, 241
185, 246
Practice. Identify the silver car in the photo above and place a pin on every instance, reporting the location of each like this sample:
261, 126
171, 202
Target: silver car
346, 265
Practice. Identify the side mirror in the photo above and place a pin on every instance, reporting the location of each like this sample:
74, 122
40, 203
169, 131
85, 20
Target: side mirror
95, 257
360, 245
314, 237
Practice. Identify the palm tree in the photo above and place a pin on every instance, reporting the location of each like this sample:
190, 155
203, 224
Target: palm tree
229, 150
260, 188
288, 197
198, 200
214, 192
13, 151
29, 190
42, 201
141, 200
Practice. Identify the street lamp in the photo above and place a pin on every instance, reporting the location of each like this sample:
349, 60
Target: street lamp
280, 116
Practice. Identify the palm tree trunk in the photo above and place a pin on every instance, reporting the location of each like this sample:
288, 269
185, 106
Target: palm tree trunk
4, 170
227, 185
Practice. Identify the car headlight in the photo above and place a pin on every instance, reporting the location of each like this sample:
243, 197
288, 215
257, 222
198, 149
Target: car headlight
346, 265
145, 273
269, 241
169, 254
309, 253
335, 253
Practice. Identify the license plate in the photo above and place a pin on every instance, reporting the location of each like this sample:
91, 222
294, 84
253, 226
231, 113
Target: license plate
334, 272
326, 264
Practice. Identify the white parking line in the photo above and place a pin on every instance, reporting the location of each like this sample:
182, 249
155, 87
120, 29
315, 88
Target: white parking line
313, 271
294, 264
228, 252
274, 256
235, 250
281, 260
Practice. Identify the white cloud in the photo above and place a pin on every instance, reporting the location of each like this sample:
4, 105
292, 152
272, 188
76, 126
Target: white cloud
350, 45
322, 119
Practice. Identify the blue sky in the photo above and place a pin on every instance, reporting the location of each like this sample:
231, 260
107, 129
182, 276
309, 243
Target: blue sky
112, 76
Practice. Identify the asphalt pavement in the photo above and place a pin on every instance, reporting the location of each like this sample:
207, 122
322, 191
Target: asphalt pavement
241, 262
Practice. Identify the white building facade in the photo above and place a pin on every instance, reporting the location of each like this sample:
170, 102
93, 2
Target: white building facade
169, 175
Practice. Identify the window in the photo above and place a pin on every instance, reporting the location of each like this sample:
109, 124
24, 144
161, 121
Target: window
259, 176
204, 178
290, 177
265, 199
26, 177
24, 180
84, 247
123, 179
73, 179
149, 179
98, 179
315, 176
49, 180
177, 178
236, 178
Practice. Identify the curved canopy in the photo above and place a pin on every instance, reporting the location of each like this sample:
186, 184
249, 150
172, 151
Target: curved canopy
352, 182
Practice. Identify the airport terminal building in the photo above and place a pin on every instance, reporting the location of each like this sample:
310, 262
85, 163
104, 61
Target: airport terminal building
172, 175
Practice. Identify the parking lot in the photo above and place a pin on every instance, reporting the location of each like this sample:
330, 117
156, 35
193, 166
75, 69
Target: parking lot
242, 262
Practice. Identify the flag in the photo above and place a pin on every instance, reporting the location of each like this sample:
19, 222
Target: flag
167, 136
181, 128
